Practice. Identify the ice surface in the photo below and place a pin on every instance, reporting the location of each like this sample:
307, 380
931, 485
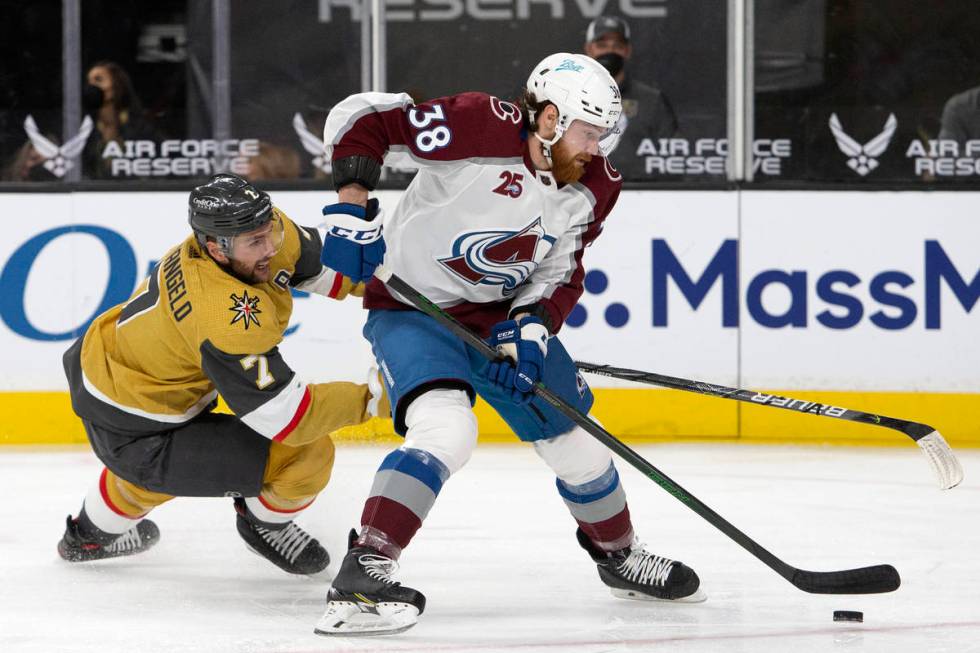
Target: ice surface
499, 564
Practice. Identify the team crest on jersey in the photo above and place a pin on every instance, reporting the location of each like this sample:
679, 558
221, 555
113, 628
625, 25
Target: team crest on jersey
505, 110
497, 258
245, 309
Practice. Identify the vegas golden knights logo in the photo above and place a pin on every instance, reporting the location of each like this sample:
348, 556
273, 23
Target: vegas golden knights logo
246, 309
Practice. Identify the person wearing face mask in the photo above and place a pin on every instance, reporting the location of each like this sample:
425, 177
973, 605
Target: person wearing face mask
145, 375
647, 112
109, 98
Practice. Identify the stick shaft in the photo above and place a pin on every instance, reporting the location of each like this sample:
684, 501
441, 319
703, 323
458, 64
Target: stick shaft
914, 430
882, 578
947, 467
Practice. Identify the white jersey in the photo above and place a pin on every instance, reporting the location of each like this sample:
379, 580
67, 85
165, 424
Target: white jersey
478, 231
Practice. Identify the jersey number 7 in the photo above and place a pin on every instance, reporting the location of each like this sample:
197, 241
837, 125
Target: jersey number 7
265, 379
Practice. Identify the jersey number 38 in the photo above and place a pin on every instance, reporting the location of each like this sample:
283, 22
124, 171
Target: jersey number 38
435, 138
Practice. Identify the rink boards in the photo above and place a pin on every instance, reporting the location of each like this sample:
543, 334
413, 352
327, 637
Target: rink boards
862, 300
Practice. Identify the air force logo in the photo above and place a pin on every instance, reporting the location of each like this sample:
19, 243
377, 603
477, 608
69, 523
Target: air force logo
863, 158
58, 160
311, 143
497, 258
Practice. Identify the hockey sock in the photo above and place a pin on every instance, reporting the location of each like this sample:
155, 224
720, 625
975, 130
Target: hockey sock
107, 509
404, 490
599, 507
89, 531
263, 511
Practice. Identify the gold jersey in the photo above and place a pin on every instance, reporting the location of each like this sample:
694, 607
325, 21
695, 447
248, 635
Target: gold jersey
192, 330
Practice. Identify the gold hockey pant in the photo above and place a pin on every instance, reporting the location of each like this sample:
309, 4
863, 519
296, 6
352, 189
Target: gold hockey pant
211, 456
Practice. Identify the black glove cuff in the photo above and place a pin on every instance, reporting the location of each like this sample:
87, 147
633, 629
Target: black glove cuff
538, 311
356, 169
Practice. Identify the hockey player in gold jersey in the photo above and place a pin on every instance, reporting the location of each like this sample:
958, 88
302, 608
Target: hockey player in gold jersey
209, 320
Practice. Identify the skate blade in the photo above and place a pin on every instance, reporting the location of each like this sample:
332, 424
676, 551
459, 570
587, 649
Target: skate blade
353, 619
321, 575
698, 597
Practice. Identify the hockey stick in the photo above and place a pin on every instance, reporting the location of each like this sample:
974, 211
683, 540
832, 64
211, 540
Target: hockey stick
943, 460
866, 580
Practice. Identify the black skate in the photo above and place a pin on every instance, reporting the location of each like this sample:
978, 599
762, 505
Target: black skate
81, 545
635, 573
363, 599
290, 547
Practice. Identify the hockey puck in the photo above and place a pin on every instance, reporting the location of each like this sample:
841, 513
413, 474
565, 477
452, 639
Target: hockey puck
848, 615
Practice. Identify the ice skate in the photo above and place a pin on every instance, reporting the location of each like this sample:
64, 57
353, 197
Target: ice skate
363, 599
635, 573
84, 542
290, 548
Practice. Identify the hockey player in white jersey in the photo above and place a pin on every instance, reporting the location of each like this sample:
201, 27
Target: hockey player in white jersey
492, 229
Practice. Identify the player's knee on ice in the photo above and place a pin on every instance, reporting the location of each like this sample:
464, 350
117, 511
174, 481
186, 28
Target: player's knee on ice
297, 474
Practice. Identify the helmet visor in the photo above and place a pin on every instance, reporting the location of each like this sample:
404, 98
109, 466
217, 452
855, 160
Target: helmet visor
582, 136
261, 243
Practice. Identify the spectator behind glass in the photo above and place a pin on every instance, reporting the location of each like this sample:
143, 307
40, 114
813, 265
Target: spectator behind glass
273, 162
109, 98
26, 165
646, 111
961, 120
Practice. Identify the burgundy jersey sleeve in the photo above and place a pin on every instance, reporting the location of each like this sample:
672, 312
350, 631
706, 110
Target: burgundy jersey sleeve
554, 288
384, 126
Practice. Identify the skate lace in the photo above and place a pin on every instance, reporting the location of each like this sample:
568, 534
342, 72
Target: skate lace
128, 541
378, 567
289, 542
645, 568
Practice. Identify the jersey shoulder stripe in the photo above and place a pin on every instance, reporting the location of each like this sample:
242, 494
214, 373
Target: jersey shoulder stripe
260, 389
279, 416
467, 127
304, 404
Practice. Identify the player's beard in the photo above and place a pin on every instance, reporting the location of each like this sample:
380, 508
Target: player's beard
565, 165
252, 275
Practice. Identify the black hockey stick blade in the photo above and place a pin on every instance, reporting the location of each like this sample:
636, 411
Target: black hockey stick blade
869, 580
944, 463
866, 580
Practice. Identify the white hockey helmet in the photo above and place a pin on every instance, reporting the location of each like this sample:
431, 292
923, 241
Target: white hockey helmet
579, 87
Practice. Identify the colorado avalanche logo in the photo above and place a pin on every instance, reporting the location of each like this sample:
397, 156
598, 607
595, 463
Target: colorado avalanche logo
497, 258
505, 110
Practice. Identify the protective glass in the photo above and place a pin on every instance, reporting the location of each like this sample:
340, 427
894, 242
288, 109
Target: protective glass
264, 242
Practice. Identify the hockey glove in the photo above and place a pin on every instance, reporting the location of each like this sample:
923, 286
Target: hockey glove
502, 374
525, 344
354, 245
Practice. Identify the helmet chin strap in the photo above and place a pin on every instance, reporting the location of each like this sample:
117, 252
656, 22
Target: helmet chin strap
547, 144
